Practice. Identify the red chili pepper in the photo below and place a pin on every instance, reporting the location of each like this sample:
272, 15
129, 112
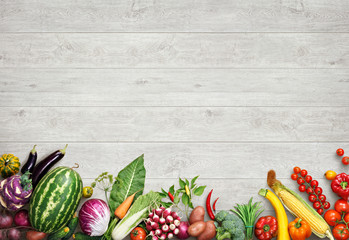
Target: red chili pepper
214, 204
171, 196
208, 206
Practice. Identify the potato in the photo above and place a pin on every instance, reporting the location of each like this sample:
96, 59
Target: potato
198, 214
196, 228
209, 232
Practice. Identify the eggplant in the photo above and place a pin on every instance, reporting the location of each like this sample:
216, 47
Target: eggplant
30, 164
46, 164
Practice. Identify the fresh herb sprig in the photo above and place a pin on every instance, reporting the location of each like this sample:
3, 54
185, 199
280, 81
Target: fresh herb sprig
248, 214
183, 194
104, 182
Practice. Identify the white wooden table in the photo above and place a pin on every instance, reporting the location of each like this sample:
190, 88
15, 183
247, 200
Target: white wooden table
222, 89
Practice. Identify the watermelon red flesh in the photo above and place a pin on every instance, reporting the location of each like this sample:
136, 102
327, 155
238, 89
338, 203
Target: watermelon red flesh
55, 199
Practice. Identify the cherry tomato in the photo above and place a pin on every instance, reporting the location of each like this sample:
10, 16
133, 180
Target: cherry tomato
332, 217
294, 176
314, 184
304, 173
302, 188
296, 170
320, 211
300, 181
310, 190
318, 190
326, 205
317, 205
340, 152
308, 178
341, 206
322, 198
138, 233
346, 218
312, 198
345, 160
330, 175
341, 232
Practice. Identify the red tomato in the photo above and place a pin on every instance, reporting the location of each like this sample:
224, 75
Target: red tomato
322, 198
310, 190
340, 152
332, 217
312, 198
138, 233
302, 188
318, 190
345, 160
314, 184
304, 173
300, 181
317, 205
341, 232
320, 211
294, 176
296, 170
341, 206
346, 218
326, 205
308, 178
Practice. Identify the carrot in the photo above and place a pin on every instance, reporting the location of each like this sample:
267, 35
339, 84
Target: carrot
122, 209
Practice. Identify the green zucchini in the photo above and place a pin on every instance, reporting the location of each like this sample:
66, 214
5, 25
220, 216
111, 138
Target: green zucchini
59, 234
82, 236
72, 226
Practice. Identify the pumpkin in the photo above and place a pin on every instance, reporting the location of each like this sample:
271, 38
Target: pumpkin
9, 165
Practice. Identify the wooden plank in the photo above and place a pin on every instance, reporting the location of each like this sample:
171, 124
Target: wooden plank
174, 124
174, 87
159, 50
209, 160
174, 16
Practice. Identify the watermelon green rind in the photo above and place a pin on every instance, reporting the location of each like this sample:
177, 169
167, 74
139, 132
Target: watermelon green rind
55, 199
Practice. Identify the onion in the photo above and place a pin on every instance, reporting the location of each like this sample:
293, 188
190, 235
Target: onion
14, 234
94, 217
6, 219
22, 218
183, 230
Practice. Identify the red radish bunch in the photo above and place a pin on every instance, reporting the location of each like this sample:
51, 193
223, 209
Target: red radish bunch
162, 223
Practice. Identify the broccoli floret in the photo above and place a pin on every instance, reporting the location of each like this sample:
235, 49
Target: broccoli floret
229, 226
221, 216
222, 236
231, 217
239, 234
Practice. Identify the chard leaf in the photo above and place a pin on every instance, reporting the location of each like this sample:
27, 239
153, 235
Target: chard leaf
129, 180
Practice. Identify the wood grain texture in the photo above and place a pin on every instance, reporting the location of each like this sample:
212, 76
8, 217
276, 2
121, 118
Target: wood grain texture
209, 160
174, 124
174, 16
174, 87
177, 50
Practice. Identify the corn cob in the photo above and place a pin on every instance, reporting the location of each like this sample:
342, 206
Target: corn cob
299, 208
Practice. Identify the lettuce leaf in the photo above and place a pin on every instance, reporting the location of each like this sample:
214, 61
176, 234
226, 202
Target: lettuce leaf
129, 180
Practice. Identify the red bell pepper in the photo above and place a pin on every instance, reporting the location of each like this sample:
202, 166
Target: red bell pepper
340, 186
266, 228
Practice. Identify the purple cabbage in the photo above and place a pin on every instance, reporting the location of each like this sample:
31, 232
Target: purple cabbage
94, 217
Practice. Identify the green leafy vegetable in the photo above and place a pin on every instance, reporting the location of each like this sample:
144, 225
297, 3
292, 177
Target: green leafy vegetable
129, 180
136, 214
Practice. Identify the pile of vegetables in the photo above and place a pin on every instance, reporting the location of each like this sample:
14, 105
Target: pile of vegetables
54, 194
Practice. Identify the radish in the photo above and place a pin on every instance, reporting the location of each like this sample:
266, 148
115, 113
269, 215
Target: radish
169, 219
174, 215
176, 222
154, 225
155, 238
162, 208
165, 228
158, 232
148, 227
169, 235
176, 231
156, 218
163, 236
172, 227
158, 211
162, 221
152, 233
151, 215
167, 212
